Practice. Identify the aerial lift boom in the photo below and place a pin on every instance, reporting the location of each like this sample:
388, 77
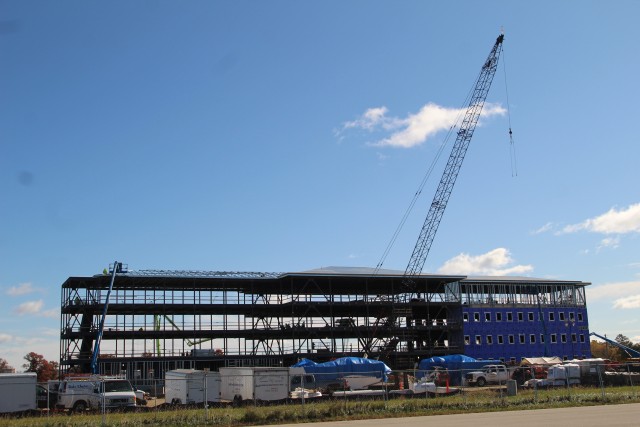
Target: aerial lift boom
630, 352
117, 268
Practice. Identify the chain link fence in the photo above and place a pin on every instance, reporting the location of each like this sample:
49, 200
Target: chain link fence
209, 394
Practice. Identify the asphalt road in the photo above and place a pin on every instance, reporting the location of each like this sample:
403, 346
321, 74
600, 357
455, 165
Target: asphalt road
585, 416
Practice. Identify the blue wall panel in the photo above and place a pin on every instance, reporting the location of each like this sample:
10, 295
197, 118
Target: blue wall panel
512, 332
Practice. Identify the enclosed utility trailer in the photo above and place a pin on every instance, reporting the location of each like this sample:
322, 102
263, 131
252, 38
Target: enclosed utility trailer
190, 386
254, 383
18, 392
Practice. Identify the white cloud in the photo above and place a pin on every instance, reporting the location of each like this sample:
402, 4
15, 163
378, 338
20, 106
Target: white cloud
30, 307
545, 228
416, 128
497, 262
21, 289
371, 119
382, 157
5, 338
612, 222
619, 290
609, 242
53, 313
632, 301
50, 332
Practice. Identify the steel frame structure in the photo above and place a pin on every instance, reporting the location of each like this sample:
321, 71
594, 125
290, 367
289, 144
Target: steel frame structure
160, 321
228, 319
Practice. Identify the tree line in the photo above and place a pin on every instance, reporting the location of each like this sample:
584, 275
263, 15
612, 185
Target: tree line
44, 369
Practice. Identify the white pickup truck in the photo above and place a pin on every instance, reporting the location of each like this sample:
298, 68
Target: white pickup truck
490, 374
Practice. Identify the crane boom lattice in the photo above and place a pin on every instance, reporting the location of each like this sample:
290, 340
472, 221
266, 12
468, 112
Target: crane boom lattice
452, 169
410, 321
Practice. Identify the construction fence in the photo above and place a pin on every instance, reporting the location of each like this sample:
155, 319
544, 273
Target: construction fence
249, 388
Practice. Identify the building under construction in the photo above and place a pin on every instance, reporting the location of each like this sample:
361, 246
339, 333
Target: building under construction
147, 322
154, 321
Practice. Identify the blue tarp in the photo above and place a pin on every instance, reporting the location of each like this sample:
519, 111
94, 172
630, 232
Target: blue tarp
337, 368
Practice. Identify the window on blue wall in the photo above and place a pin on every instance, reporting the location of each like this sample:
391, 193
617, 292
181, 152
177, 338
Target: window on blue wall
512, 340
487, 317
521, 338
561, 316
520, 316
541, 338
554, 339
572, 316
465, 317
512, 360
498, 317
532, 338
530, 316
500, 339
581, 338
467, 340
476, 317
563, 338
579, 317
574, 338
489, 339
552, 316
509, 317
478, 340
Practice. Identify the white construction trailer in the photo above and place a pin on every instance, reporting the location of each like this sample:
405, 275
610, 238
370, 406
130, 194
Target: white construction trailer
254, 383
18, 392
190, 386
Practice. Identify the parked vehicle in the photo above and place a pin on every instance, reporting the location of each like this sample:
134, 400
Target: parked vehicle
79, 394
558, 375
18, 392
254, 383
490, 374
191, 386
298, 378
302, 385
47, 395
456, 365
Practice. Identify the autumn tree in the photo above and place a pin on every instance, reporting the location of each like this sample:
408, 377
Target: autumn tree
44, 369
4, 366
600, 349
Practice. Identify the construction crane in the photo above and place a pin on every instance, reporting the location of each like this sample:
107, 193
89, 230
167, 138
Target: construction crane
399, 309
451, 171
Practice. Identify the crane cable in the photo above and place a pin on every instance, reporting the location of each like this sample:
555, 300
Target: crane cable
417, 194
512, 146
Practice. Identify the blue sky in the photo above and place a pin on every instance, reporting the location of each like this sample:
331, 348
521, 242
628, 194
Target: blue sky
255, 136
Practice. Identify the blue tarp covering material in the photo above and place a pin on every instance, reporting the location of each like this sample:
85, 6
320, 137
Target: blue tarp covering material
335, 369
456, 364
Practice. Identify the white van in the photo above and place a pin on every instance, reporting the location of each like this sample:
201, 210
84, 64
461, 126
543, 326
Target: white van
80, 394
